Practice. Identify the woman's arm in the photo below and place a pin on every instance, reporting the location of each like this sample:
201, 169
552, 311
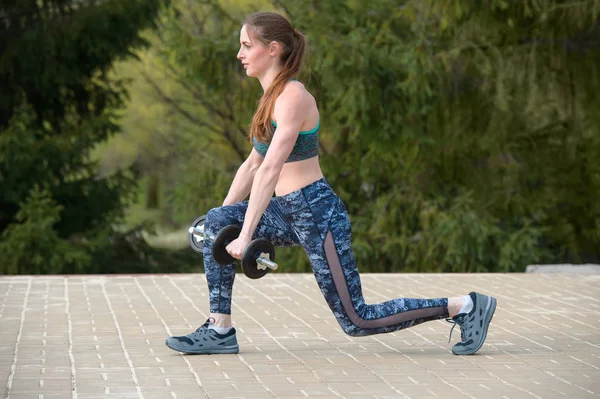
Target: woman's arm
242, 182
290, 112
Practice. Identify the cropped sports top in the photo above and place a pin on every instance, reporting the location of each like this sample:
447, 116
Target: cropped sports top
307, 145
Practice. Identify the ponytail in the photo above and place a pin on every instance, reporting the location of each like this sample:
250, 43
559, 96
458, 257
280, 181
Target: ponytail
272, 27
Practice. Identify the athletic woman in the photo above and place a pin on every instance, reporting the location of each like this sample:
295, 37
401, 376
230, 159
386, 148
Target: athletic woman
305, 211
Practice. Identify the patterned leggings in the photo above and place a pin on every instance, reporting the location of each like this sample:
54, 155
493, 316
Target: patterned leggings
316, 218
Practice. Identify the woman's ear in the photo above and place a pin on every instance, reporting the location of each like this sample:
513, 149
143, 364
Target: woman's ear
274, 49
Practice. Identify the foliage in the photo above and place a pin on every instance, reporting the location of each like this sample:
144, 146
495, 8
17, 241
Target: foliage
462, 136
32, 245
456, 100
56, 212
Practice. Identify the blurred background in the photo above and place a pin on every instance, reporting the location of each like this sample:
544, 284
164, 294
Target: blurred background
463, 136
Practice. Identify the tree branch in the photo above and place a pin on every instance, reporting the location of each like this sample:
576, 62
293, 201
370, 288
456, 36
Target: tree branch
176, 106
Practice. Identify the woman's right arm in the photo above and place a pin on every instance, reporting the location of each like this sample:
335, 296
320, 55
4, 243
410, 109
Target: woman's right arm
242, 182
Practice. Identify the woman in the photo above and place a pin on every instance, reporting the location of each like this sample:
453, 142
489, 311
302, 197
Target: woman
305, 211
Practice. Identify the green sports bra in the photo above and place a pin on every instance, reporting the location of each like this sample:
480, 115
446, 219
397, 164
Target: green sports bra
307, 145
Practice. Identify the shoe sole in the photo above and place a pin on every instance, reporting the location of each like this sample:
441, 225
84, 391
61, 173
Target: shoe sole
488, 316
217, 351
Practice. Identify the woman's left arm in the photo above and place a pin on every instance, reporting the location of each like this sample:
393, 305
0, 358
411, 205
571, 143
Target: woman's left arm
290, 113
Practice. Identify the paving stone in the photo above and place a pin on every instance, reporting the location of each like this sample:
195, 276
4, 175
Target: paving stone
103, 337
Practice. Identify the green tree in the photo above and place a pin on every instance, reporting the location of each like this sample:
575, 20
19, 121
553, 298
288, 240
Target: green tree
56, 214
186, 125
465, 133
462, 136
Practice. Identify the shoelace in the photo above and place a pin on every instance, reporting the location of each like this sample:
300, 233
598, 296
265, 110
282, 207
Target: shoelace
200, 332
460, 321
203, 329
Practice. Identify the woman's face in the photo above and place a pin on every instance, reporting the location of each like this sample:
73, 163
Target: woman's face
255, 56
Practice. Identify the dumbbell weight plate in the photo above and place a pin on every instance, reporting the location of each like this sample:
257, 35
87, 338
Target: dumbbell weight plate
252, 252
196, 241
225, 236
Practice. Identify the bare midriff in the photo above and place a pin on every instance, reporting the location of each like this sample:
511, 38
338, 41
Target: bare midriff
296, 175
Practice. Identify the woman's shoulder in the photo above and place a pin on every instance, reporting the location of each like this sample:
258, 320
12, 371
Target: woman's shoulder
295, 91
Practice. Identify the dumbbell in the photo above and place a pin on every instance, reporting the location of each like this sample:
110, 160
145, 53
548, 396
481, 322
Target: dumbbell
257, 260
197, 236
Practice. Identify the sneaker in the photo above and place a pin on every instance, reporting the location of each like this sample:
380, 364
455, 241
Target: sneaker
205, 341
473, 325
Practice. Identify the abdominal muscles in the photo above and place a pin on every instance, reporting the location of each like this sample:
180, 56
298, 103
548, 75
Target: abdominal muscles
296, 175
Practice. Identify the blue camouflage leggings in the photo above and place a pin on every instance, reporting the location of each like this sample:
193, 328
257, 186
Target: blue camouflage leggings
316, 218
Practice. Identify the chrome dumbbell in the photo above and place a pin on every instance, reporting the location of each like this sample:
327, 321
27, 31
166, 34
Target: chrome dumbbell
197, 237
258, 258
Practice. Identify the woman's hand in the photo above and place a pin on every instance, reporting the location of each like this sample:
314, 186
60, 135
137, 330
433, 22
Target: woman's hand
237, 247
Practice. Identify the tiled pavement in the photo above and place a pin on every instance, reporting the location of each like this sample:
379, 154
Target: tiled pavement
103, 336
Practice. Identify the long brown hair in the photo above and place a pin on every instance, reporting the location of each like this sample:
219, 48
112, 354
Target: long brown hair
267, 27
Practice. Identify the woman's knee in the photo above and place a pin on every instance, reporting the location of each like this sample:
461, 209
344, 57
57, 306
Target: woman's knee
353, 330
353, 321
213, 214
349, 327
216, 219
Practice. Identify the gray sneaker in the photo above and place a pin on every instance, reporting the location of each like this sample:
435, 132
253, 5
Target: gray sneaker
473, 325
205, 341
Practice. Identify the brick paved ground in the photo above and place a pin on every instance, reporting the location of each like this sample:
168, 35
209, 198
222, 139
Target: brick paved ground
103, 336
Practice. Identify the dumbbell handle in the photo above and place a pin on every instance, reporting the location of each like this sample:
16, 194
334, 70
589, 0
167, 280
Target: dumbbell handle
200, 232
263, 262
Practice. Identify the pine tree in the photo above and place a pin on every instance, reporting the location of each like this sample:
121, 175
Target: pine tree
56, 104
